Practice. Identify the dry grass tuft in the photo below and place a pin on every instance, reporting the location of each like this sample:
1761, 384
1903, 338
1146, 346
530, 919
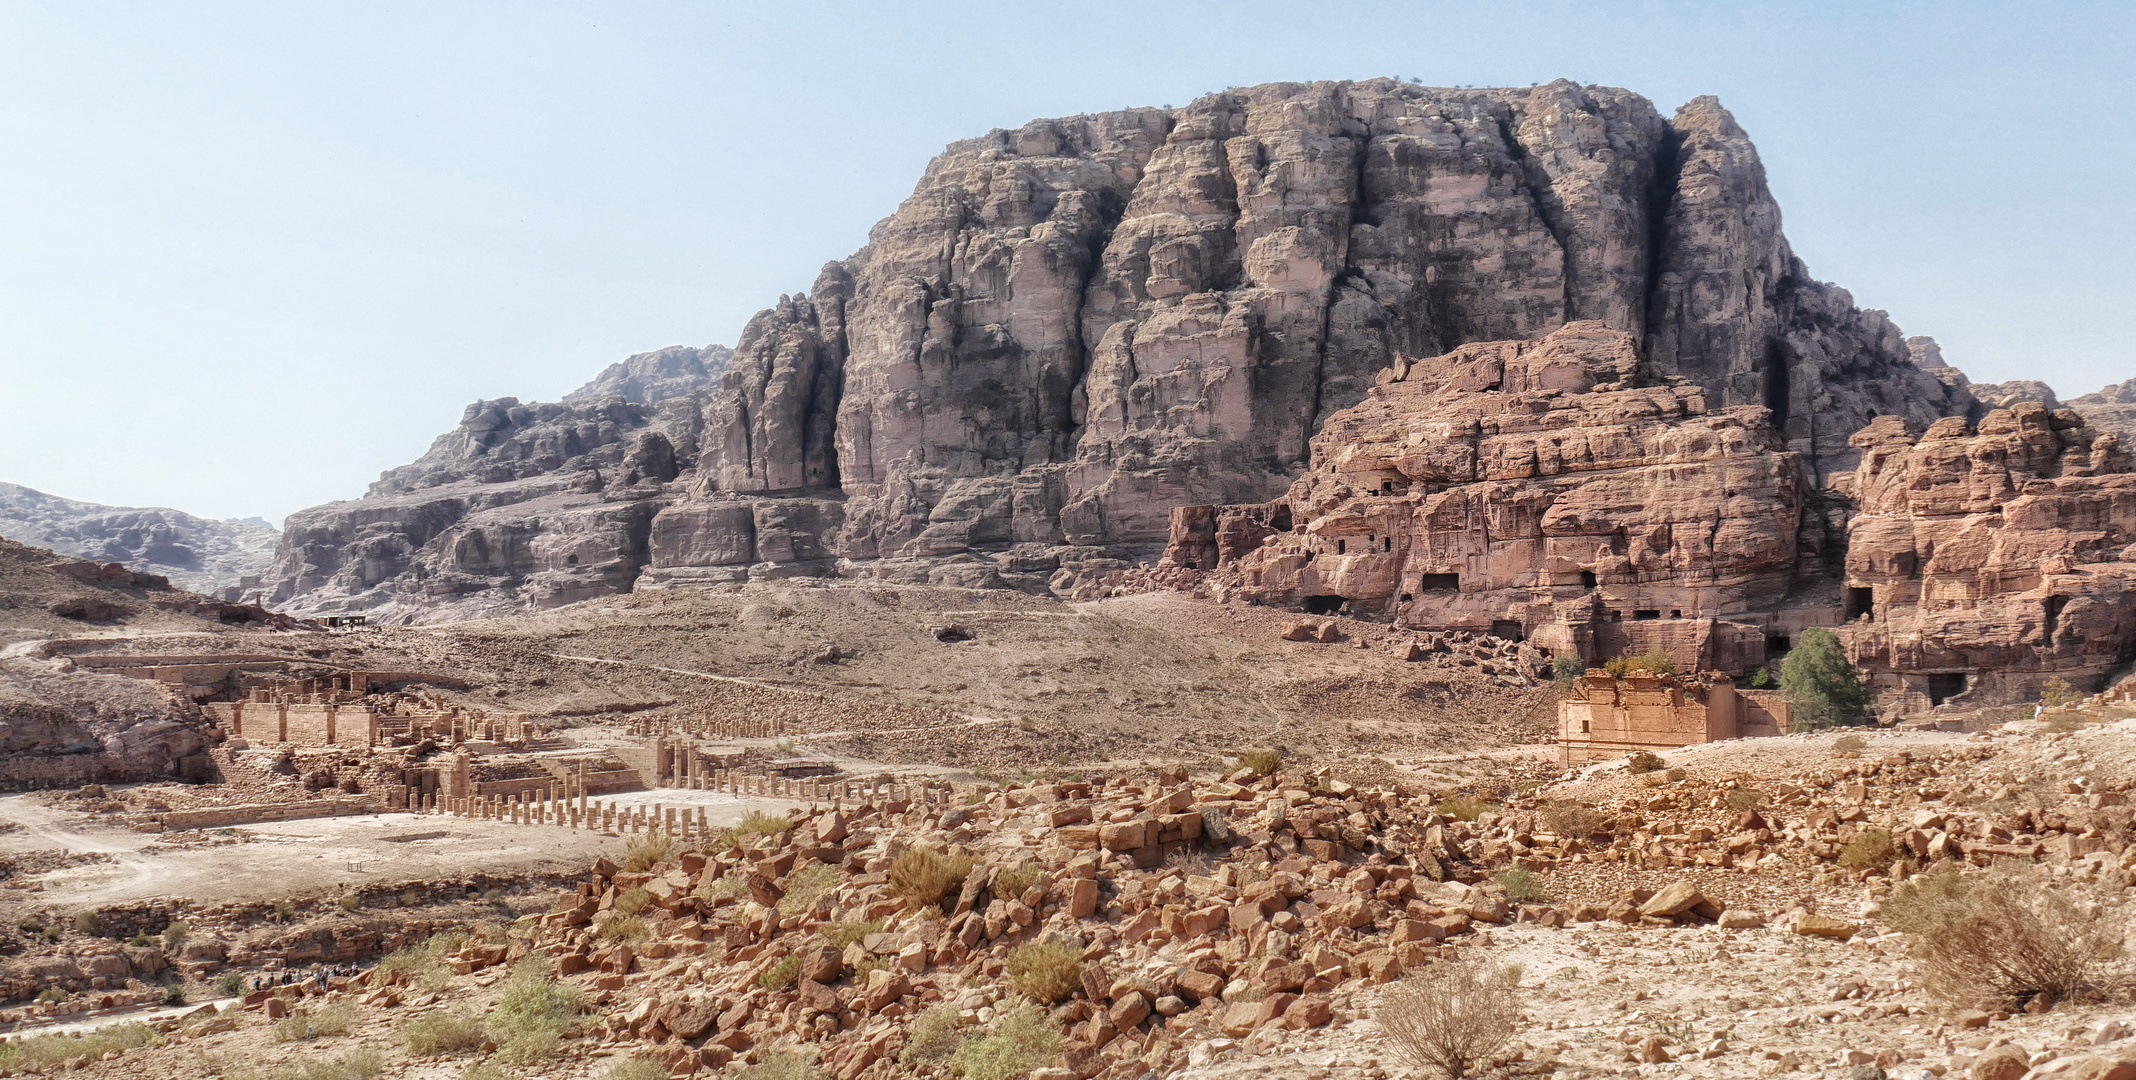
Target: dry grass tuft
1464, 807
1262, 762
1046, 971
1574, 820
1011, 883
2001, 939
641, 852
1451, 1016
803, 886
922, 877
1871, 849
1021, 1039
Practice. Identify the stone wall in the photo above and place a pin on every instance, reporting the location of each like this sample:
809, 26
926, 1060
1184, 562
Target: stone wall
1607, 717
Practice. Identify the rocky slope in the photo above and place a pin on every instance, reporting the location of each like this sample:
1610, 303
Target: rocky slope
1070, 328
64, 726
528, 505
194, 553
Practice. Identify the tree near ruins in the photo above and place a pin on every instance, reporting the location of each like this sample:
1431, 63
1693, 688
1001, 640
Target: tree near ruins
1825, 689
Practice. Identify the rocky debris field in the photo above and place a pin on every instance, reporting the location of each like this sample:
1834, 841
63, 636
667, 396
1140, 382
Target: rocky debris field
1723, 912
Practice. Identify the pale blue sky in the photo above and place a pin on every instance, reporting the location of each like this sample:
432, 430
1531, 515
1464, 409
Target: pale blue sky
253, 254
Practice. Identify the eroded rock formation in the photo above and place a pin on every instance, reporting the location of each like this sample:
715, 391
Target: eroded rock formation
1551, 490
1987, 560
522, 505
217, 557
1071, 328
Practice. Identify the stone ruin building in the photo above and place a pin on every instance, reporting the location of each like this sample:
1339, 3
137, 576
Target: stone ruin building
1607, 716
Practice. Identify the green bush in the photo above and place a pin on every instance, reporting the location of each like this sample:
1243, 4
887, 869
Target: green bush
45, 1051
1823, 687
782, 975
1567, 670
783, 1066
1046, 971
88, 922
933, 1038
1522, 886
1021, 1039
174, 934
229, 984
637, 1068
534, 1012
174, 994
442, 1031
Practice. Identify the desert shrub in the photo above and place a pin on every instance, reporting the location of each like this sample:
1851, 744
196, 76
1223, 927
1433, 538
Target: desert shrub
783, 1066
1675, 773
1645, 761
442, 1031
1741, 799
30, 926
1022, 1038
1046, 971
637, 1068
2000, 938
1522, 886
285, 909
351, 902
486, 1070
1849, 744
1451, 1016
2064, 722
51, 995
1761, 679
1567, 670
626, 928
44, 1051
782, 975
922, 877
640, 852
1262, 762
174, 994
174, 934
533, 1013
141, 941
1821, 684
933, 1038
229, 984
1463, 807
1574, 820
338, 1018
731, 885
88, 922
803, 886
425, 963
843, 934
1653, 663
633, 900
759, 823
2056, 692
1871, 849
1011, 883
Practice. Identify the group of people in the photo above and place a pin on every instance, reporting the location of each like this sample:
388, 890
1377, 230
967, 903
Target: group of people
318, 974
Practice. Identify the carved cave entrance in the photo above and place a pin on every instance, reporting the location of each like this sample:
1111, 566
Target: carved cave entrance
1860, 602
1324, 605
1944, 685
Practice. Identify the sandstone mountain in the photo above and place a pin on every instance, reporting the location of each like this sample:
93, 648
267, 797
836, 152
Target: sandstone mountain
195, 553
2111, 410
546, 502
1071, 328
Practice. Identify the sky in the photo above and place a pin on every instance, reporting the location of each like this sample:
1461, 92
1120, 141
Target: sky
253, 254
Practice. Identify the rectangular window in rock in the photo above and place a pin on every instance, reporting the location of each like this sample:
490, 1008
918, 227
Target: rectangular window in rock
1440, 583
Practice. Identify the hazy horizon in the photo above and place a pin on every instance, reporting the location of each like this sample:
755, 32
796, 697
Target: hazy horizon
261, 254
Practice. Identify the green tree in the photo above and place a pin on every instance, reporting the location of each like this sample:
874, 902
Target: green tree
1824, 688
1567, 670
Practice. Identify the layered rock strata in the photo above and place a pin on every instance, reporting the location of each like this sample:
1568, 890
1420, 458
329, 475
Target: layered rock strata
1987, 560
222, 558
521, 506
1553, 490
1071, 328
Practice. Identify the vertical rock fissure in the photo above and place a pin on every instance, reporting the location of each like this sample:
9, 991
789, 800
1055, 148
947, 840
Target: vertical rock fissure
1668, 163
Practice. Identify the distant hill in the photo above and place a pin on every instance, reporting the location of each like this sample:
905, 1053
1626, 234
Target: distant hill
196, 554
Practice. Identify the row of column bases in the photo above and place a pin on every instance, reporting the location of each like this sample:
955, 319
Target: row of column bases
554, 805
710, 726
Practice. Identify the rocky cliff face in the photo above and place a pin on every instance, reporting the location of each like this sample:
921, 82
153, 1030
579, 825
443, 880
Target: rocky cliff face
1553, 491
1071, 328
205, 556
1987, 560
521, 505
2112, 409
